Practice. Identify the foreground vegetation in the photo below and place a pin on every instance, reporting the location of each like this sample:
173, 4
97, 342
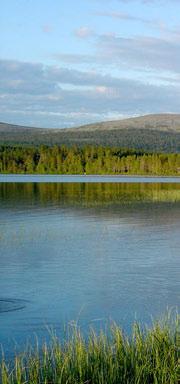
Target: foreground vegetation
147, 356
86, 160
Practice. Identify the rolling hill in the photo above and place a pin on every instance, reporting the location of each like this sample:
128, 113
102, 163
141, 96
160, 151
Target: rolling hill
157, 133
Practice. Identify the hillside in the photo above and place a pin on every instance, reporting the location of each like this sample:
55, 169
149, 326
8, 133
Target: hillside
161, 122
158, 133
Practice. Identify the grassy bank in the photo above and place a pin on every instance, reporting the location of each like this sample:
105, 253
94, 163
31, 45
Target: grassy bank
147, 356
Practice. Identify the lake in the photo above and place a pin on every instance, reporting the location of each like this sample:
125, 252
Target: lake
86, 250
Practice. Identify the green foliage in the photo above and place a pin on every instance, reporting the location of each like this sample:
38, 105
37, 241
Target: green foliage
148, 356
148, 133
86, 160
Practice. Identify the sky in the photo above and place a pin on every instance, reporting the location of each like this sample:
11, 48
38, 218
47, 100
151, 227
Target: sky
64, 63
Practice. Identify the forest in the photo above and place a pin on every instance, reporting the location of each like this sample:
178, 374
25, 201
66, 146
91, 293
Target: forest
86, 160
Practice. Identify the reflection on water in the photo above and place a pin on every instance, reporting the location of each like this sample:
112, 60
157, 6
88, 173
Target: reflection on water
90, 252
87, 193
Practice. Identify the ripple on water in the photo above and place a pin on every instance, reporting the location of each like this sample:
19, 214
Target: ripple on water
10, 305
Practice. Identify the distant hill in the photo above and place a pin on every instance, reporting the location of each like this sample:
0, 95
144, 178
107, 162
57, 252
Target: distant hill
158, 133
161, 122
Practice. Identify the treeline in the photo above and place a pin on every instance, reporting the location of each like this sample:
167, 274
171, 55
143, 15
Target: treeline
86, 160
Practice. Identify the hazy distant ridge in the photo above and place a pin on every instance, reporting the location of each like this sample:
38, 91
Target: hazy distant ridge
151, 132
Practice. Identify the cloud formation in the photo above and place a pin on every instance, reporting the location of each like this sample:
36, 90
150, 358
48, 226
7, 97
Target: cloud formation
142, 52
110, 58
139, 52
83, 32
52, 96
127, 17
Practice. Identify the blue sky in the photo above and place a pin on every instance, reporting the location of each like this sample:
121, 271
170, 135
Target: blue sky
66, 63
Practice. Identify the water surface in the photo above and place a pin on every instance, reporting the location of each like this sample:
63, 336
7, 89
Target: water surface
9, 178
88, 252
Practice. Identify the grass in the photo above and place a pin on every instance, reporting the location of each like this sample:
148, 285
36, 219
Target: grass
148, 356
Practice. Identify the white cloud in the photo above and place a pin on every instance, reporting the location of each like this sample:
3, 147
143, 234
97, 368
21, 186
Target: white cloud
141, 52
83, 32
134, 53
127, 17
35, 94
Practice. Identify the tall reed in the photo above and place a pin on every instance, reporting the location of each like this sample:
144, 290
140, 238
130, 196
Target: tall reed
148, 356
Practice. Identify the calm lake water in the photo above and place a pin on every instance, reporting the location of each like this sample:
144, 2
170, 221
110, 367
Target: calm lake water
87, 252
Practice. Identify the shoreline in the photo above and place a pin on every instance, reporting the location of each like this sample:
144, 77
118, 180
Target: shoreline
67, 178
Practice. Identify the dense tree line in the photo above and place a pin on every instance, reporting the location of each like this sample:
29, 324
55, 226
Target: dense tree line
86, 160
149, 140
